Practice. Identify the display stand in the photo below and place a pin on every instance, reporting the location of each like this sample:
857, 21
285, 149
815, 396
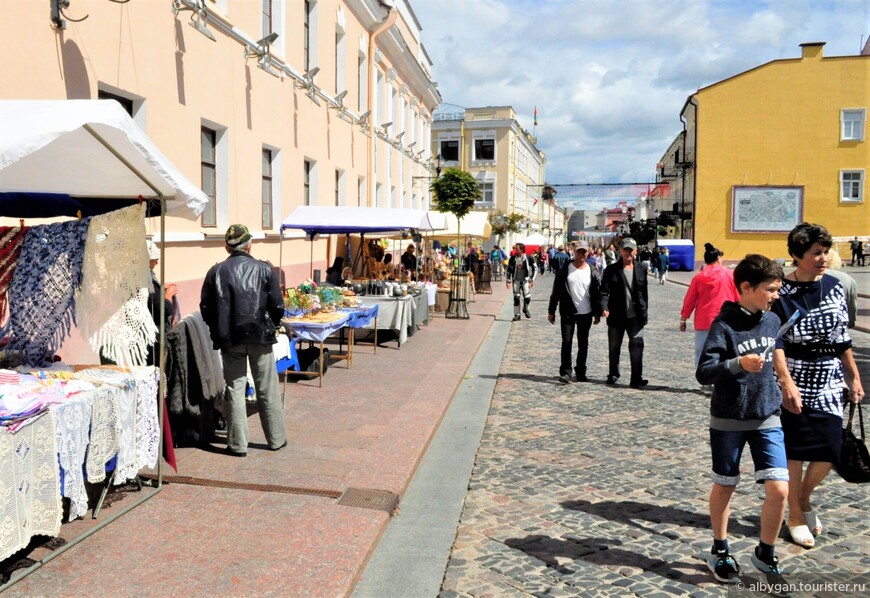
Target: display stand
457, 309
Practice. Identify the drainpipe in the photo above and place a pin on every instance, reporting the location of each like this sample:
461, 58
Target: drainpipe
388, 22
690, 100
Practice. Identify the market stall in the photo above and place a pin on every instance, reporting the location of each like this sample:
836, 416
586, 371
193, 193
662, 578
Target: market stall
81, 158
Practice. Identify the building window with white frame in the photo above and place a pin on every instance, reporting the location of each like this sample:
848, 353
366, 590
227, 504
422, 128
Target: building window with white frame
308, 167
308, 6
208, 169
852, 124
267, 18
484, 149
449, 150
852, 186
267, 204
487, 195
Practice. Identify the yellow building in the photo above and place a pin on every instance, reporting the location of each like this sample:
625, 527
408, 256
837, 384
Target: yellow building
782, 143
491, 145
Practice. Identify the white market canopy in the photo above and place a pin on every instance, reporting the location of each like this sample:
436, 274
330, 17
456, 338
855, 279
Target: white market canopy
88, 154
473, 224
535, 239
326, 220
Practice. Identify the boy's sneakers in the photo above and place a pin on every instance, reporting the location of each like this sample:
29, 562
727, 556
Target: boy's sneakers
565, 379
724, 567
766, 568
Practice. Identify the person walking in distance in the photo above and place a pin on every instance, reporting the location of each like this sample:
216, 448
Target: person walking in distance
242, 305
857, 247
521, 274
624, 300
576, 291
745, 408
709, 289
664, 265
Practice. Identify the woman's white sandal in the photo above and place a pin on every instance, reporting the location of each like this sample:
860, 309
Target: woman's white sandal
800, 535
813, 522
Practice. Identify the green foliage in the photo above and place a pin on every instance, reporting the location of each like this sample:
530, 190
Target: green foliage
455, 192
504, 223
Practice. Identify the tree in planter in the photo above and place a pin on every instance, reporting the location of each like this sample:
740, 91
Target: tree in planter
502, 223
455, 192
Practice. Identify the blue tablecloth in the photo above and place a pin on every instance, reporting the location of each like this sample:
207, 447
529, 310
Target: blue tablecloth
316, 332
360, 316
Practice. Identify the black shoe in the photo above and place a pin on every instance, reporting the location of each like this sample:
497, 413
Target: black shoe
565, 379
527, 313
611, 379
278, 448
233, 453
580, 378
639, 384
724, 567
517, 317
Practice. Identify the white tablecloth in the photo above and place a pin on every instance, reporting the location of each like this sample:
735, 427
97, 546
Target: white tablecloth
394, 314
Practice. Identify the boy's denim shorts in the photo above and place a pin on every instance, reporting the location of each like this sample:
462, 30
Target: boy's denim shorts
768, 455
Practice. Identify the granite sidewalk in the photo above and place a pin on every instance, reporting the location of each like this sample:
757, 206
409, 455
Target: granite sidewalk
367, 428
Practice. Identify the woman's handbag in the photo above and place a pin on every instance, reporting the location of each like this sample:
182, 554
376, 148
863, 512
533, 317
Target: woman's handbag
854, 464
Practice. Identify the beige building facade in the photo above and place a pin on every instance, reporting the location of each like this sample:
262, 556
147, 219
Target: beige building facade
268, 104
491, 145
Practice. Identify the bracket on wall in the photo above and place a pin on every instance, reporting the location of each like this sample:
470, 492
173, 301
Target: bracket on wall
58, 17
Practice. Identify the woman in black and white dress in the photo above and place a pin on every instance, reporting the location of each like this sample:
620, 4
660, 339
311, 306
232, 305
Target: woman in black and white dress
815, 367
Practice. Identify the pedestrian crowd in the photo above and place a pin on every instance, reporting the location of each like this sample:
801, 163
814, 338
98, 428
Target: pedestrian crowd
772, 350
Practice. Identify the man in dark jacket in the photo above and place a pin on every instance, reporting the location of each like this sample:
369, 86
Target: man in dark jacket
242, 305
624, 303
521, 275
577, 292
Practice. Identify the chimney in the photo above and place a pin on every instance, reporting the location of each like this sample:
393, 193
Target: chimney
812, 50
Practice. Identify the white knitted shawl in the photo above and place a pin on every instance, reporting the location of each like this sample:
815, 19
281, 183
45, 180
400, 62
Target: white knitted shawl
112, 303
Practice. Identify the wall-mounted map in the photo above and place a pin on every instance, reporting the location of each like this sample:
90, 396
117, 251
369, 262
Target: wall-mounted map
766, 209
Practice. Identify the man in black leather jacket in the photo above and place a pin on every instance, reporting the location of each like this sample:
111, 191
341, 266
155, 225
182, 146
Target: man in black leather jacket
242, 305
624, 299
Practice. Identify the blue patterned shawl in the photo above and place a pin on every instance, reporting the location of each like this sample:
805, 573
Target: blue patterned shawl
41, 296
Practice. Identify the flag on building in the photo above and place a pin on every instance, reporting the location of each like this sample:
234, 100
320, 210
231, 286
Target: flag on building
536, 116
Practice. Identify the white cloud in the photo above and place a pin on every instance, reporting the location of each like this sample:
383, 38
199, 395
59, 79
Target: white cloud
609, 77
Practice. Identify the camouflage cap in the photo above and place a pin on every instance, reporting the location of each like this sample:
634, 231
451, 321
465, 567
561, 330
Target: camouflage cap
237, 234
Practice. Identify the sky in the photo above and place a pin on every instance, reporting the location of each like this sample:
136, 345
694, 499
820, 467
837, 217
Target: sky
609, 77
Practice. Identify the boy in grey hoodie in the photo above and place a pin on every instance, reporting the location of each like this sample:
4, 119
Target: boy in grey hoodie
745, 408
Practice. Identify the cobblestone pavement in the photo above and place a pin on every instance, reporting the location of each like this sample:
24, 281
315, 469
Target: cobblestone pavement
592, 490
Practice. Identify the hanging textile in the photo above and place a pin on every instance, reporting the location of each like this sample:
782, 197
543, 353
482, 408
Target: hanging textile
105, 433
147, 422
112, 303
11, 241
29, 485
73, 422
41, 295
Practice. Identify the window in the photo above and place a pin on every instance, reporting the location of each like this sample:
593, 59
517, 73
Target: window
450, 150
361, 192
339, 61
267, 189
852, 186
306, 36
486, 190
339, 187
308, 166
361, 83
267, 17
484, 149
208, 168
852, 124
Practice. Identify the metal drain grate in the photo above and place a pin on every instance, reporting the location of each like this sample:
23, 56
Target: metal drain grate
363, 498
190, 481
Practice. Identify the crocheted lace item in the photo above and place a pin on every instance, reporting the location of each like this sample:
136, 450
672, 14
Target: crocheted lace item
73, 421
112, 303
11, 241
41, 296
147, 422
105, 432
124, 387
30, 501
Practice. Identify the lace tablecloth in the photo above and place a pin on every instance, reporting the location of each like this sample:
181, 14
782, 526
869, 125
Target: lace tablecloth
30, 502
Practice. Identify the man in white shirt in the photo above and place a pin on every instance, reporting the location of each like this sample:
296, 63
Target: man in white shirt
576, 290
